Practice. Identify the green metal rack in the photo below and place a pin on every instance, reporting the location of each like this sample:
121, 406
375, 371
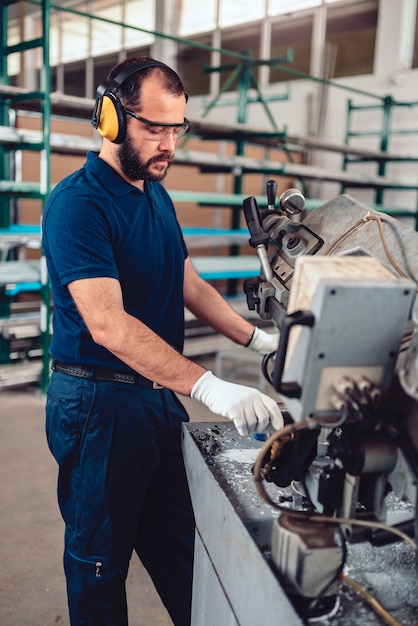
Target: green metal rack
241, 73
11, 189
385, 110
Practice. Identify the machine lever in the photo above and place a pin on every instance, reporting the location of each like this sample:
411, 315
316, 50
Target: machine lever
271, 187
259, 238
298, 318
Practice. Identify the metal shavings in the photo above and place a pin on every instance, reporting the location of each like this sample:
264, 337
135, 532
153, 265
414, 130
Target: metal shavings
206, 442
388, 572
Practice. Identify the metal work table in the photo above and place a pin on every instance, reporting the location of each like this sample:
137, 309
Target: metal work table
234, 584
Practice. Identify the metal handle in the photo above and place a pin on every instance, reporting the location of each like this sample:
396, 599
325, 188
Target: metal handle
253, 219
298, 318
271, 188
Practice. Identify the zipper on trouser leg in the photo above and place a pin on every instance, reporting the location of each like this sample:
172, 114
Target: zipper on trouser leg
95, 565
96, 590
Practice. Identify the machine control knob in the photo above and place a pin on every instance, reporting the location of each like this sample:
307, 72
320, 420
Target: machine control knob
292, 201
293, 242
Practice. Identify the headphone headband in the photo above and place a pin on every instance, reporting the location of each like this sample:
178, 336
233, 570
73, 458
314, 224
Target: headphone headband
123, 76
138, 67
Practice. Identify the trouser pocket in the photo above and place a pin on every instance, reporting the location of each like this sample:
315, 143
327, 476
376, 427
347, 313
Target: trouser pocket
94, 567
68, 408
96, 592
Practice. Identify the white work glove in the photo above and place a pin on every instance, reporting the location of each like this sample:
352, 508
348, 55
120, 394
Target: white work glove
262, 342
248, 408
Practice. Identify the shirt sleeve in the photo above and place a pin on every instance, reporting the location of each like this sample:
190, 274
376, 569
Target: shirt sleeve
77, 237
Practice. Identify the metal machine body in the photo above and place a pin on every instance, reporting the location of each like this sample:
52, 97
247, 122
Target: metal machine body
340, 283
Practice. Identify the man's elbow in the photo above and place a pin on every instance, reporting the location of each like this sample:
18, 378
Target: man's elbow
104, 335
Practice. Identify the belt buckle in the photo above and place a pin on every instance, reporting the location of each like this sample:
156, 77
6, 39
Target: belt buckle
157, 386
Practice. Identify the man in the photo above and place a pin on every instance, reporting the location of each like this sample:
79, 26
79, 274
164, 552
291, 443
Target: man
121, 278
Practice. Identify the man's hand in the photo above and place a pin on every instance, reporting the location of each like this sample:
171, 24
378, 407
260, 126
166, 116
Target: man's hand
262, 342
248, 408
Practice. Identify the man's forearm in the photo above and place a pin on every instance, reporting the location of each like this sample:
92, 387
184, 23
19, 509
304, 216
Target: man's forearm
100, 304
149, 355
212, 309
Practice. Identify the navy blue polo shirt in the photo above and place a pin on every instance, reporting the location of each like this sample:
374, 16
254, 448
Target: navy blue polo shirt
95, 224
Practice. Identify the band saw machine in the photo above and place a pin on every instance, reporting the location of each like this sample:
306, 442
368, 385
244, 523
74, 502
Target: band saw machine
340, 283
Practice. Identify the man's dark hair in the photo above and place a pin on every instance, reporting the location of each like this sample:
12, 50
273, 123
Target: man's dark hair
129, 92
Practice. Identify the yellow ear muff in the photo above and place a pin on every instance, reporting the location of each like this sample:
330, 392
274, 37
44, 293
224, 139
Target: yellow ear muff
109, 115
112, 123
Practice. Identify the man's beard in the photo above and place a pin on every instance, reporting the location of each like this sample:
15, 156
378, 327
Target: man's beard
136, 169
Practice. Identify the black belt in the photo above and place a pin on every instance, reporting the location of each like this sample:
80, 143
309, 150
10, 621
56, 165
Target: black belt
103, 374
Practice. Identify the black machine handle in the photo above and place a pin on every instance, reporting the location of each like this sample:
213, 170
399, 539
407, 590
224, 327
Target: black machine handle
252, 215
271, 187
298, 318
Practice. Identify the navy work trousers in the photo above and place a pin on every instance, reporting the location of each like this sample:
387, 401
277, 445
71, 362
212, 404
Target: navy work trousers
121, 487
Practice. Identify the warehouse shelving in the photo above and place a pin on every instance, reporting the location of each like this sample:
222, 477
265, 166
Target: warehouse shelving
278, 146
209, 267
24, 334
383, 133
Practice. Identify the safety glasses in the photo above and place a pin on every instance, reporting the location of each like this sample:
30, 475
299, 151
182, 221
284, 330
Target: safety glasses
157, 131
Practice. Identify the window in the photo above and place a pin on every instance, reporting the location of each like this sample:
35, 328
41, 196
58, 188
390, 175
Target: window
277, 7
239, 11
191, 61
294, 33
75, 79
415, 53
69, 38
75, 37
352, 29
196, 17
242, 40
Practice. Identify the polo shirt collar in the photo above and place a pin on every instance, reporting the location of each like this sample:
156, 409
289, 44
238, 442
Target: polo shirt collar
107, 176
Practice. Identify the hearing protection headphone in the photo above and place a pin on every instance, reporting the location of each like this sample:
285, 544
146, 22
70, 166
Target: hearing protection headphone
109, 116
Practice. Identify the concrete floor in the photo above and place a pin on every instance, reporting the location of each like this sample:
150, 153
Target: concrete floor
32, 583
